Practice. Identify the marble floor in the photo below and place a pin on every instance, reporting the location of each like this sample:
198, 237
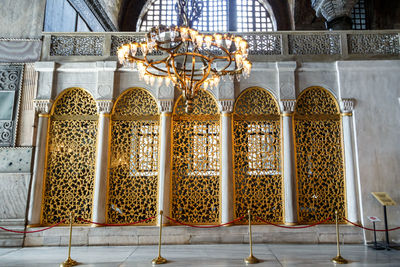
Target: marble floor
199, 255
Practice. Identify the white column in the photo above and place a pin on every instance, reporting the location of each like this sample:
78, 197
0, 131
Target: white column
35, 200
226, 108
165, 158
348, 145
289, 175
100, 183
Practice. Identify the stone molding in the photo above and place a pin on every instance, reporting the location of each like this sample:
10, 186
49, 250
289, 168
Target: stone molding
226, 106
165, 106
42, 106
331, 9
287, 105
347, 105
104, 106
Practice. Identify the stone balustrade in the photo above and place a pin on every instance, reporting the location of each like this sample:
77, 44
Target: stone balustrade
264, 46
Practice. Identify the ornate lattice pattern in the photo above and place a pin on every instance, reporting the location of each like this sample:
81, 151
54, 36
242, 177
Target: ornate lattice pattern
204, 105
307, 44
257, 156
319, 158
264, 44
76, 45
71, 152
133, 172
117, 41
195, 169
382, 44
256, 101
136, 102
75, 102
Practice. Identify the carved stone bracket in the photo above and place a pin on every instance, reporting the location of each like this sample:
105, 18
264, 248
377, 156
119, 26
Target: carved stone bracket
104, 106
226, 106
165, 105
347, 105
42, 106
287, 105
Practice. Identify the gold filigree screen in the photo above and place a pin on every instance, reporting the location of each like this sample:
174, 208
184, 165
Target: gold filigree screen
257, 156
133, 169
70, 159
319, 158
195, 162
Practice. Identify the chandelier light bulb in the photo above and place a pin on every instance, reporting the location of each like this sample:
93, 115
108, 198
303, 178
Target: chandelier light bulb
184, 33
238, 39
133, 47
193, 34
228, 41
208, 41
143, 47
199, 40
218, 39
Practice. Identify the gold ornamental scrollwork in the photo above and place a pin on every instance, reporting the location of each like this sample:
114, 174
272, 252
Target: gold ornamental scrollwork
257, 156
195, 179
133, 167
70, 158
319, 156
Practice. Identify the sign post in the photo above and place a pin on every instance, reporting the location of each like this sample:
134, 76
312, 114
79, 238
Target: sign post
385, 200
375, 219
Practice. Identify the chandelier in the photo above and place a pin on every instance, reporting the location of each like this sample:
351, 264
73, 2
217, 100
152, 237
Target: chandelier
186, 58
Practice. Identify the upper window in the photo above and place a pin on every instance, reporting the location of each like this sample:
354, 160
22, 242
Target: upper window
358, 16
216, 15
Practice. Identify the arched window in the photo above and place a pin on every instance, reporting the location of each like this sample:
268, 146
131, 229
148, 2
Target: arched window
319, 158
195, 161
257, 156
216, 16
70, 159
133, 169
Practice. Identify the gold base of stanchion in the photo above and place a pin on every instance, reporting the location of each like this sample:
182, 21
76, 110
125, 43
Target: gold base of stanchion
251, 260
339, 260
159, 260
69, 262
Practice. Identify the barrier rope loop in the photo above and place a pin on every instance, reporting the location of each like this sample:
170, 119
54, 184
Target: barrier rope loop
293, 227
204, 226
114, 224
30, 232
370, 229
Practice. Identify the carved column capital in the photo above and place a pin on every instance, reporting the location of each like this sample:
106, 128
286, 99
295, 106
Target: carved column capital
226, 106
287, 105
42, 106
104, 106
165, 105
347, 105
331, 9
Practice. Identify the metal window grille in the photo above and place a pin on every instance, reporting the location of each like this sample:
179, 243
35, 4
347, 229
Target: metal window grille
358, 16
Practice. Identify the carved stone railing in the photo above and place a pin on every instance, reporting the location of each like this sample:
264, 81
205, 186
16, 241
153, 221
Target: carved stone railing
264, 46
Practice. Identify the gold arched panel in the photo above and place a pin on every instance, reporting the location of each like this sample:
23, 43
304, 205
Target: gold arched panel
195, 179
319, 157
204, 104
256, 101
133, 169
257, 156
316, 101
70, 159
135, 102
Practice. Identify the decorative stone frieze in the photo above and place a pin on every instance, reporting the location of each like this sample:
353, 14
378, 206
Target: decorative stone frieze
42, 106
165, 105
226, 106
347, 105
287, 105
104, 106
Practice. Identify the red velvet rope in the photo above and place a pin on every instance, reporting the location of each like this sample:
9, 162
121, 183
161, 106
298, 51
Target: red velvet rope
114, 224
370, 229
29, 232
293, 227
204, 226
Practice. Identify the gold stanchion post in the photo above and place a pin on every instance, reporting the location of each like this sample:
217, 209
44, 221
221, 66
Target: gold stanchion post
159, 259
250, 259
338, 259
69, 262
